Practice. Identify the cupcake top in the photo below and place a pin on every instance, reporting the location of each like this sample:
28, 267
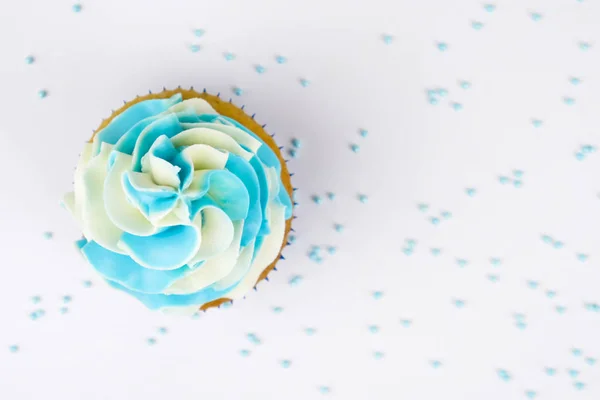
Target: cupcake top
179, 206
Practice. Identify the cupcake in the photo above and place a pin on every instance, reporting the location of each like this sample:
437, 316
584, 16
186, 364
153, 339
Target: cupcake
184, 201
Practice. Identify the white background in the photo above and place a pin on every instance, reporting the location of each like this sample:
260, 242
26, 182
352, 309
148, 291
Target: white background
519, 70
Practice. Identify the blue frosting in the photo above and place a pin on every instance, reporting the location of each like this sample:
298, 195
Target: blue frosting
153, 263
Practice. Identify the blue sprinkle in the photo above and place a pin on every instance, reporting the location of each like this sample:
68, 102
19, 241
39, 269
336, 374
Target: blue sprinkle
277, 310
446, 214
253, 338
330, 195
461, 262
387, 39
260, 69
373, 329
465, 84
363, 198
363, 133
503, 180
87, 284
13, 348
36, 299
67, 299
199, 32
63, 310
40, 312
576, 352
285, 363
584, 46
194, 48
579, 385
590, 361
518, 173
292, 239
304, 82
151, 341
550, 294
411, 242
536, 16
434, 220
378, 355
244, 353
296, 143
324, 389
558, 244
310, 331
29, 59
280, 60
517, 183
408, 251
521, 325
76, 7
476, 25
504, 375
42, 93
457, 106
574, 80
592, 307
493, 278
530, 394
560, 309
588, 148
229, 56
569, 101
431, 93
495, 261
582, 257
442, 46
293, 153
435, 363
423, 207
338, 227
537, 123
471, 192
547, 239
489, 7
238, 91
378, 294
317, 199
550, 371
573, 373
459, 303
295, 280
331, 249
406, 323
532, 284
436, 252
579, 156
162, 330
442, 92
519, 316
355, 148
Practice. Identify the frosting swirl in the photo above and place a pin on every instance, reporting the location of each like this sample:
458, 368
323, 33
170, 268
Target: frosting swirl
179, 206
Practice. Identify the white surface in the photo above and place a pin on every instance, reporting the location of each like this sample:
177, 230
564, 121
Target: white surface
415, 152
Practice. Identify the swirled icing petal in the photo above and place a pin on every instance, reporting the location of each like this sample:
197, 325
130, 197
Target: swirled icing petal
179, 215
239, 135
246, 174
121, 212
217, 233
224, 190
168, 125
266, 255
74, 200
263, 187
202, 156
238, 272
166, 250
96, 223
154, 201
212, 270
124, 270
212, 138
195, 105
128, 118
163, 173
